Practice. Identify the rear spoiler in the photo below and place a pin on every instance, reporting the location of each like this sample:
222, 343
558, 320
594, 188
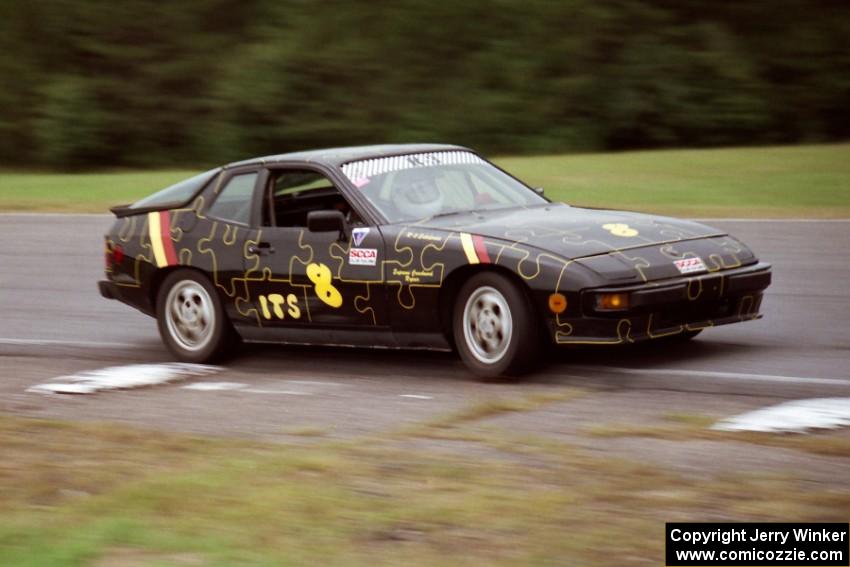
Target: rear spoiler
159, 201
121, 211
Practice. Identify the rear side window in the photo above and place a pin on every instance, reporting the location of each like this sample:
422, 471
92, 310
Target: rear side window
177, 194
234, 199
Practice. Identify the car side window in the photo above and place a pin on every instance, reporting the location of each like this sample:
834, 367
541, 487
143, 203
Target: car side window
293, 193
234, 199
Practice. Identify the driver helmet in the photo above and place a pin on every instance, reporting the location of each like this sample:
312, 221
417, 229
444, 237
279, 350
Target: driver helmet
416, 195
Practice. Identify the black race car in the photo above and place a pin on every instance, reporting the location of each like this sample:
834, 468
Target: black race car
414, 246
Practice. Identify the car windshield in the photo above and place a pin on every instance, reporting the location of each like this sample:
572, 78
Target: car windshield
424, 185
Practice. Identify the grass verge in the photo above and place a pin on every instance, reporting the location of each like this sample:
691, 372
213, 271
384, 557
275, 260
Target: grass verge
89, 494
798, 181
80, 192
793, 181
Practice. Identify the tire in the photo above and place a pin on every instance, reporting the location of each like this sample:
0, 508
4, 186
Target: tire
495, 329
191, 319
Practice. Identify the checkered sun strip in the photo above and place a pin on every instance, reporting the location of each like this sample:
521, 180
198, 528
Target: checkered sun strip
367, 168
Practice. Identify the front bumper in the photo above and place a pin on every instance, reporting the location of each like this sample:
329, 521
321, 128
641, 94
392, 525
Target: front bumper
668, 307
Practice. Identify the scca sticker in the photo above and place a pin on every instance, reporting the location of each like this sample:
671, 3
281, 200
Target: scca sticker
690, 265
363, 256
620, 229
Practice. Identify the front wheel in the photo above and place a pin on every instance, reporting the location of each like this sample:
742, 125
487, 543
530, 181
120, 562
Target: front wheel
191, 318
495, 330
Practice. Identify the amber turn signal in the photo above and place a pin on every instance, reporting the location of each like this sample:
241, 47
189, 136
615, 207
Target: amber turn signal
612, 301
557, 303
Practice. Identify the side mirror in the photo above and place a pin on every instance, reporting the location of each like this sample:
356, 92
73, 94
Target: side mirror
539, 190
328, 221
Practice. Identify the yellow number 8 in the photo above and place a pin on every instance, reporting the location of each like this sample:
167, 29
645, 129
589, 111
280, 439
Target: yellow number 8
320, 275
620, 229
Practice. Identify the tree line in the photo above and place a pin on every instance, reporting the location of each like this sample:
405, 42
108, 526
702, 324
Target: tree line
104, 83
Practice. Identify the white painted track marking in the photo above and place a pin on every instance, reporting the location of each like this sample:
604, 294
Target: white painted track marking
416, 396
241, 387
213, 386
592, 369
797, 416
721, 375
122, 378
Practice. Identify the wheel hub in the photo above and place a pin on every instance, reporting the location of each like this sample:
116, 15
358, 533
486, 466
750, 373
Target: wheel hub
487, 324
190, 316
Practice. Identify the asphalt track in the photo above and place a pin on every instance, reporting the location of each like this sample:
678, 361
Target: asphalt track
54, 322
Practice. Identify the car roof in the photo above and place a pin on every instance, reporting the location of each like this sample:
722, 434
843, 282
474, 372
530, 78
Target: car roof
338, 156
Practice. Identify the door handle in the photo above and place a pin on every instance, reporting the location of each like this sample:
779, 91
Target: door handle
260, 248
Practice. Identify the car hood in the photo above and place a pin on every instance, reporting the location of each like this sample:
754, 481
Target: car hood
573, 232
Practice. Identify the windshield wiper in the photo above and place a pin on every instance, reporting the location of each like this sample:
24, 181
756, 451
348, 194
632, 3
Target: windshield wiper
450, 213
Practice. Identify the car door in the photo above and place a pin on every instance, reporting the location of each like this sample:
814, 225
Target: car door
305, 280
218, 235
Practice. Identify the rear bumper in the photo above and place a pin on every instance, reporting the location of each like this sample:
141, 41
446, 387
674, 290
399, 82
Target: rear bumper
669, 307
107, 289
132, 295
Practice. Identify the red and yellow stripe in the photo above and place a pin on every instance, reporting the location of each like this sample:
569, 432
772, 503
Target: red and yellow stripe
159, 225
474, 248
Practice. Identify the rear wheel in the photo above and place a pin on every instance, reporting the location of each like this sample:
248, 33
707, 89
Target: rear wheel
495, 330
191, 318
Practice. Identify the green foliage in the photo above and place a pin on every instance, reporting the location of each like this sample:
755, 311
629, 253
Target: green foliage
70, 130
205, 81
